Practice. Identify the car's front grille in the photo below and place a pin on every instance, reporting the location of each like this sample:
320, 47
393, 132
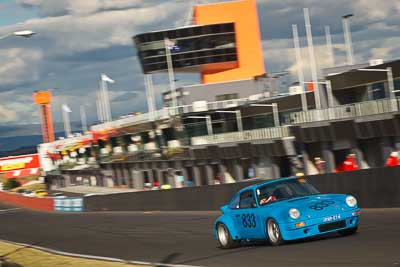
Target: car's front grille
331, 226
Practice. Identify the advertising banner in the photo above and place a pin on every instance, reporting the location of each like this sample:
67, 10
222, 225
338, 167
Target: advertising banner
19, 162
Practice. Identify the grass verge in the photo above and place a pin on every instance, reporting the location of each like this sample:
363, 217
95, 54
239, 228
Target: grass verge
28, 257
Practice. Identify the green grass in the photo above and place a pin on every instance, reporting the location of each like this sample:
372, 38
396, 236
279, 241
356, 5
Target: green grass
28, 257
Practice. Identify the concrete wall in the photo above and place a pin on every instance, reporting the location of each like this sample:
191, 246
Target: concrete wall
374, 188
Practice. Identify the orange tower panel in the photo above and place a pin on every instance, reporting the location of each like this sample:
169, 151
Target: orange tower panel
42, 97
43, 100
248, 38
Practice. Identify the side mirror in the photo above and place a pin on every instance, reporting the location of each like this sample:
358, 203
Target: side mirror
253, 204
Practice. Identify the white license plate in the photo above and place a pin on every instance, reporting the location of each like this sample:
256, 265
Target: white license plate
332, 218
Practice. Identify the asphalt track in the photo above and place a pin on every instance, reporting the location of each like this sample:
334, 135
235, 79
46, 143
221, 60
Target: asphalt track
185, 238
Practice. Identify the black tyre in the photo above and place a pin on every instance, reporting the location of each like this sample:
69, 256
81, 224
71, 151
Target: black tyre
350, 231
274, 233
224, 237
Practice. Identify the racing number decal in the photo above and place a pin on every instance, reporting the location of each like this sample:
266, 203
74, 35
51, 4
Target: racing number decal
321, 205
249, 220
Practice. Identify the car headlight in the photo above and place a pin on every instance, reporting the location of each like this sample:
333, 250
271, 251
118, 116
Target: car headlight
351, 201
294, 213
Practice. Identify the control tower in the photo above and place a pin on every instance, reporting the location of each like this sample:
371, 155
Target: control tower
43, 100
223, 45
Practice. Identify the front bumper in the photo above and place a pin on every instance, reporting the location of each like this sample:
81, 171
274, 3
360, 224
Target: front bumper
317, 226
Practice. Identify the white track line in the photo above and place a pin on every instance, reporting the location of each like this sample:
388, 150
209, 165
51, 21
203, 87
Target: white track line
75, 255
8, 210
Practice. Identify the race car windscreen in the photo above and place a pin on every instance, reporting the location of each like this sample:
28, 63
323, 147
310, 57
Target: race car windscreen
285, 189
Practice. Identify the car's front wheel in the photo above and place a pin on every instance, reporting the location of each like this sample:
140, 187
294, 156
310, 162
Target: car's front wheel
274, 233
224, 237
350, 231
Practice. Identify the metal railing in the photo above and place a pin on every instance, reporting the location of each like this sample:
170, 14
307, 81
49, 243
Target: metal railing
132, 120
258, 134
367, 108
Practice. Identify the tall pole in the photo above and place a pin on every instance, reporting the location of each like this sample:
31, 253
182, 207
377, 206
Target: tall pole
313, 62
392, 93
348, 39
83, 119
67, 124
329, 46
276, 114
239, 120
171, 75
102, 101
299, 67
149, 96
330, 93
209, 125
100, 113
106, 100
391, 83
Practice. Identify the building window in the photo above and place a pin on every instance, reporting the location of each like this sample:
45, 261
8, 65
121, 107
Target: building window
397, 87
226, 97
378, 91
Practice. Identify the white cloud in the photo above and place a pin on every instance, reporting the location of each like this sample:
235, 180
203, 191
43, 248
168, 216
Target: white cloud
19, 66
7, 114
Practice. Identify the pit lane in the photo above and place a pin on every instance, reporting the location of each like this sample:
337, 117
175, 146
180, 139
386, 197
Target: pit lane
185, 238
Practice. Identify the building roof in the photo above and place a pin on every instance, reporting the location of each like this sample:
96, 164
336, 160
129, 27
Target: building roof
354, 77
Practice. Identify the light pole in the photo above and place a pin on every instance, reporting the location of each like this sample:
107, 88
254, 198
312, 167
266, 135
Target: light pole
67, 124
313, 61
169, 44
238, 117
392, 91
208, 121
300, 72
25, 33
274, 111
347, 38
83, 119
329, 46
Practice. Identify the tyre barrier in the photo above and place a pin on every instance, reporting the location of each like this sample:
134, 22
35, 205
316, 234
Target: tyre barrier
69, 204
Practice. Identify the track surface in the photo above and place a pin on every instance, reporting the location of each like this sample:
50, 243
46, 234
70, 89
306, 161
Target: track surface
185, 238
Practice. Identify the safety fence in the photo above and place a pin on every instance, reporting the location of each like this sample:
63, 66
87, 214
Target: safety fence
362, 109
258, 134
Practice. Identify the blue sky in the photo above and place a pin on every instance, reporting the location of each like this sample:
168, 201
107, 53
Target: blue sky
12, 13
79, 39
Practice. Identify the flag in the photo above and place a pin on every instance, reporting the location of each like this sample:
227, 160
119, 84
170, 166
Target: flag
66, 108
169, 43
106, 78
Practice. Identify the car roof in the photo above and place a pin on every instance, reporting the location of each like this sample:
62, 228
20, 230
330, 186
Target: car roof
254, 186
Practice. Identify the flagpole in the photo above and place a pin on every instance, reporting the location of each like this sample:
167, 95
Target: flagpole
104, 100
153, 99
150, 107
101, 101
67, 124
171, 75
99, 105
105, 79
83, 119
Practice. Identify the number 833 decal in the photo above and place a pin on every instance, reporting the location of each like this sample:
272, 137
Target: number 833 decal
249, 220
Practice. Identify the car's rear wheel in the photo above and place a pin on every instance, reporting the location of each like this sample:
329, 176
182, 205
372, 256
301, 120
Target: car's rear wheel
224, 237
350, 231
274, 233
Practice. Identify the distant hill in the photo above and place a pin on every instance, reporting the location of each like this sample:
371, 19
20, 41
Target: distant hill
23, 139
19, 151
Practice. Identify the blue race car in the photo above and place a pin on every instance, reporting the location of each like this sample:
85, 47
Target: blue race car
282, 210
